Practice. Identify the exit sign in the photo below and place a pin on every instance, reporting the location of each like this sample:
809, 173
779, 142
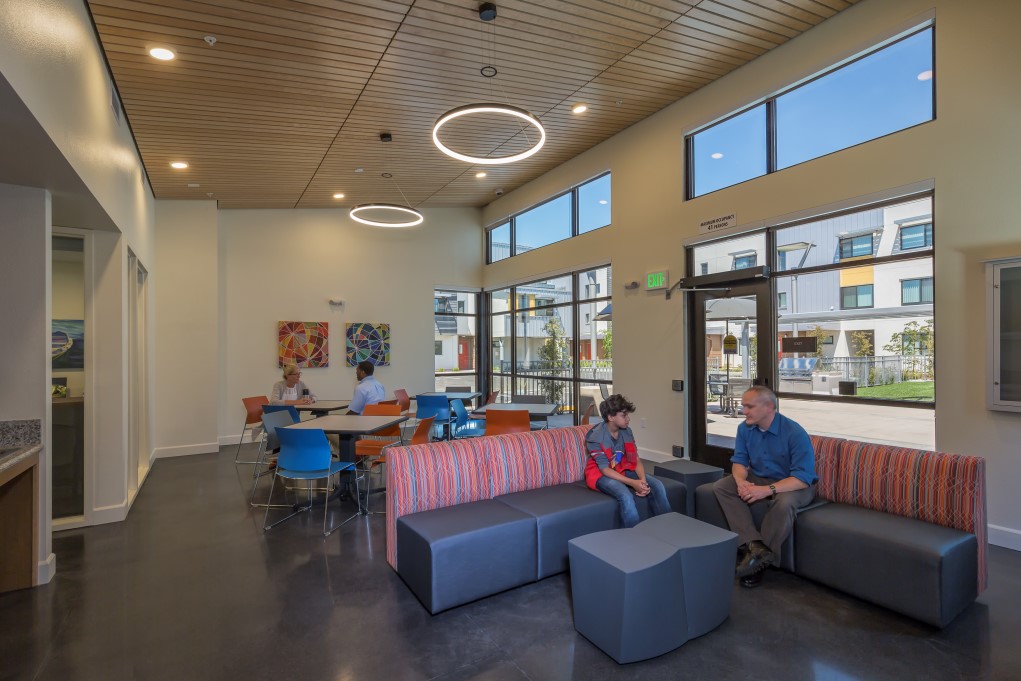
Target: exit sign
657, 280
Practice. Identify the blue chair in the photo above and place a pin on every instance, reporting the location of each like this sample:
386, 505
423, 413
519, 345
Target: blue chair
462, 425
437, 407
289, 408
305, 455
271, 420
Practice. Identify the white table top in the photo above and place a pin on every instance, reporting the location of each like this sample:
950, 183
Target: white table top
350, 425
466, 395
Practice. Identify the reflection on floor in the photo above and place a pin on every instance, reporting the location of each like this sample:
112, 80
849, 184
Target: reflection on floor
189, 588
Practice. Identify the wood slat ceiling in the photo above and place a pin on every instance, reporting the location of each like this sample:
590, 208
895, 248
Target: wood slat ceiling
293, 95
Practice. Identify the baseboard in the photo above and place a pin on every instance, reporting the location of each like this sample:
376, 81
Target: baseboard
45, 569
1007, 537
110, 514
187, 450
232, 440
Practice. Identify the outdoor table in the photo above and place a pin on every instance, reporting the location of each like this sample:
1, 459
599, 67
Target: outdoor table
535, 411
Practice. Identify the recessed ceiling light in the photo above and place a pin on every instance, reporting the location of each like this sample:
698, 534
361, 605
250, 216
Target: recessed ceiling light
603, 202
162, 53
338, 196
579, 108
359, 170
480, 174
180, 165
925, 75
194, 185
717, 155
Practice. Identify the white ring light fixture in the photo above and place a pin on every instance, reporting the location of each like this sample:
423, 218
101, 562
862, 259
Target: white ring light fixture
417, 220
488, 108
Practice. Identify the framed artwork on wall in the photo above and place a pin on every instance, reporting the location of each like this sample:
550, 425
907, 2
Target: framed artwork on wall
67, 350
303, 343
368, 342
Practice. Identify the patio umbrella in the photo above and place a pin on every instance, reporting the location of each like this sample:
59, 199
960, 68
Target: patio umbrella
604, 315
719, 309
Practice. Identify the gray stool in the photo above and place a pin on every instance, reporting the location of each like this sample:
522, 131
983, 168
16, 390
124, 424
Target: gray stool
707, 563
621, 584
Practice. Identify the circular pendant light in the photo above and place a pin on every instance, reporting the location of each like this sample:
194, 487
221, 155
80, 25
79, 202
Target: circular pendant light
474, 109
404, 211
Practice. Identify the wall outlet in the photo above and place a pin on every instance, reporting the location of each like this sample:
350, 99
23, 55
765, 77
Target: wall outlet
643, 423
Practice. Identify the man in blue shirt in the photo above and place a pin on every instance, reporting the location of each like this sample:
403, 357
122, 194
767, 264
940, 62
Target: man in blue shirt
773, 464
368, 390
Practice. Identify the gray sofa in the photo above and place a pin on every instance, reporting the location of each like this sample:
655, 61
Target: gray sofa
471, 518
901, 528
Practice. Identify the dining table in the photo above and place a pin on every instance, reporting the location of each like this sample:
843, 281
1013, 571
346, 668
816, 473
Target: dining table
321, 408
455, 395
348, 428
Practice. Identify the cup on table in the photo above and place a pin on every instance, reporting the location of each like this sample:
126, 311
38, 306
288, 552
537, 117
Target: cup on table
305, 396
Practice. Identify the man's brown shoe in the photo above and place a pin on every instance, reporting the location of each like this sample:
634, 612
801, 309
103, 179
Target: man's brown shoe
756, 560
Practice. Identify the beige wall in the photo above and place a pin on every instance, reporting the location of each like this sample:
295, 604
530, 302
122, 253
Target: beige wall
962, 152
185, 347
284, 265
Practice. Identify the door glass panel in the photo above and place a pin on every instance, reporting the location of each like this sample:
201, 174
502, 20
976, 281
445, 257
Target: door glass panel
730, 254
731, 358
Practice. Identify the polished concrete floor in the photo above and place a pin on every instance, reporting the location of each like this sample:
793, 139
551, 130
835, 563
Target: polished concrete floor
189, 588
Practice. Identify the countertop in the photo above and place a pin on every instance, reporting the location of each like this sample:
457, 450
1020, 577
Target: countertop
12, 456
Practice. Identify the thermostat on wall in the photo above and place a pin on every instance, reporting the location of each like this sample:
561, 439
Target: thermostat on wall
657, 280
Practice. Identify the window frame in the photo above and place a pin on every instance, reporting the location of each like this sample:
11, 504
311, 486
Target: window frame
857, 296
871, 236
478, 356
926, 235
921, 287
771, 128
574, 232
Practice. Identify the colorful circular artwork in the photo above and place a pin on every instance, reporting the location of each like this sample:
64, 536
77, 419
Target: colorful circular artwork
368, 343
304, 343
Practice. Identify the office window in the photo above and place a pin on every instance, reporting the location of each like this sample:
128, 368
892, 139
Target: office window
438, 348
888, 90
781, 300
856, 247
744, 261
879, 94
704, 268
728, 153
855, 297
916, 291
579, 210
915, 236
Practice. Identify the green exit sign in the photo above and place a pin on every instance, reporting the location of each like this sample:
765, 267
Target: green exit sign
657, 280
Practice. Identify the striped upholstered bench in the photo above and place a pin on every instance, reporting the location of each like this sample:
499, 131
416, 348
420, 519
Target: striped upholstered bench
902, 528
470, 518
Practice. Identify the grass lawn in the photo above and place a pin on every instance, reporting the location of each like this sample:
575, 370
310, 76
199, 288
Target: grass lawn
918, 391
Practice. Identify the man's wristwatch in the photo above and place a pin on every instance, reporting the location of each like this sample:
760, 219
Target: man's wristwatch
772, 488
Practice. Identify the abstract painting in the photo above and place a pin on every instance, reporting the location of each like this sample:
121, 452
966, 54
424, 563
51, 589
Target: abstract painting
303, 343
68, 344
367, 342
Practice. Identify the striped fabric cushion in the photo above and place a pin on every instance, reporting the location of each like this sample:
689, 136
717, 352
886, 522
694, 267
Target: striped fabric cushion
542, 458
436, 475
827, 451
943, 489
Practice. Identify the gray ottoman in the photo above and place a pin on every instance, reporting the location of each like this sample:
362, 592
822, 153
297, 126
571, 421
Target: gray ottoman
691, 474
453, 555
622, 585
707, 565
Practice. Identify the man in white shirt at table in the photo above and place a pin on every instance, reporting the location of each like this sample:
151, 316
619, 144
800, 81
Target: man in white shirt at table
368, 391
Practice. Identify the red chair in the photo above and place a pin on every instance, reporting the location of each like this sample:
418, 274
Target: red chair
403, 399
492, 397
253, 417
502, 421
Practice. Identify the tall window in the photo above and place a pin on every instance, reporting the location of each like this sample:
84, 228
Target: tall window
916, 291
888, 90
579, 210
456, 319
556, 342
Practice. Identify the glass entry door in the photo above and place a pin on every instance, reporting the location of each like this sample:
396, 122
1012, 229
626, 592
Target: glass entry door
732, 346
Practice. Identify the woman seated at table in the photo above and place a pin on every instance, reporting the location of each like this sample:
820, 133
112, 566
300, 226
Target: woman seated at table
291, 390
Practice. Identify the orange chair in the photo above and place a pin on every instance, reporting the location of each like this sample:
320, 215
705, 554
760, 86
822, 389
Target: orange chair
589, 413
253, 417
492, 397
423, 434
369, 449
403, 399
501, 421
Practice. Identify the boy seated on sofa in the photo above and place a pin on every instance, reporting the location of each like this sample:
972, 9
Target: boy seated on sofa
613, 465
